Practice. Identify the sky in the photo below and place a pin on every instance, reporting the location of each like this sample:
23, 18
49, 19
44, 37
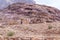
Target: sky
53, 3
5, 3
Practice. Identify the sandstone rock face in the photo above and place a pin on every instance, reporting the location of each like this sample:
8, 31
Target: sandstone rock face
27, 22
30, 13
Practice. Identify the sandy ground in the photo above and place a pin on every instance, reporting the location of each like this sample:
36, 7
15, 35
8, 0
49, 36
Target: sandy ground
42, 29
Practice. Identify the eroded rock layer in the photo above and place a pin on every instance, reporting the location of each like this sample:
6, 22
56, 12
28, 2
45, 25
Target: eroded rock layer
21, 13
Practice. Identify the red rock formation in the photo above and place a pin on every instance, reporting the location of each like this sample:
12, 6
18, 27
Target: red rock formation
32, 13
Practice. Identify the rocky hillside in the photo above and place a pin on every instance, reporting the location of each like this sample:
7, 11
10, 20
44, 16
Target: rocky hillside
21, 21
22, 13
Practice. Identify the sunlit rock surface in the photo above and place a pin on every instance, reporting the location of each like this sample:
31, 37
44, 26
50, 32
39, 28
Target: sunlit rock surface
30, 13
29, 22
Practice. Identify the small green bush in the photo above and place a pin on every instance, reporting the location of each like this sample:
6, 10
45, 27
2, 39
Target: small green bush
49, 27
10, 33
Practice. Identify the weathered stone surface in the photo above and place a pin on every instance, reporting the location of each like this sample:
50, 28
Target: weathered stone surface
31, 38
12, 18
31, 13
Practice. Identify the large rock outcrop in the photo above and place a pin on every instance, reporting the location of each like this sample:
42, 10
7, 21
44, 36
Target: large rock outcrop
22, 13
30, 15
